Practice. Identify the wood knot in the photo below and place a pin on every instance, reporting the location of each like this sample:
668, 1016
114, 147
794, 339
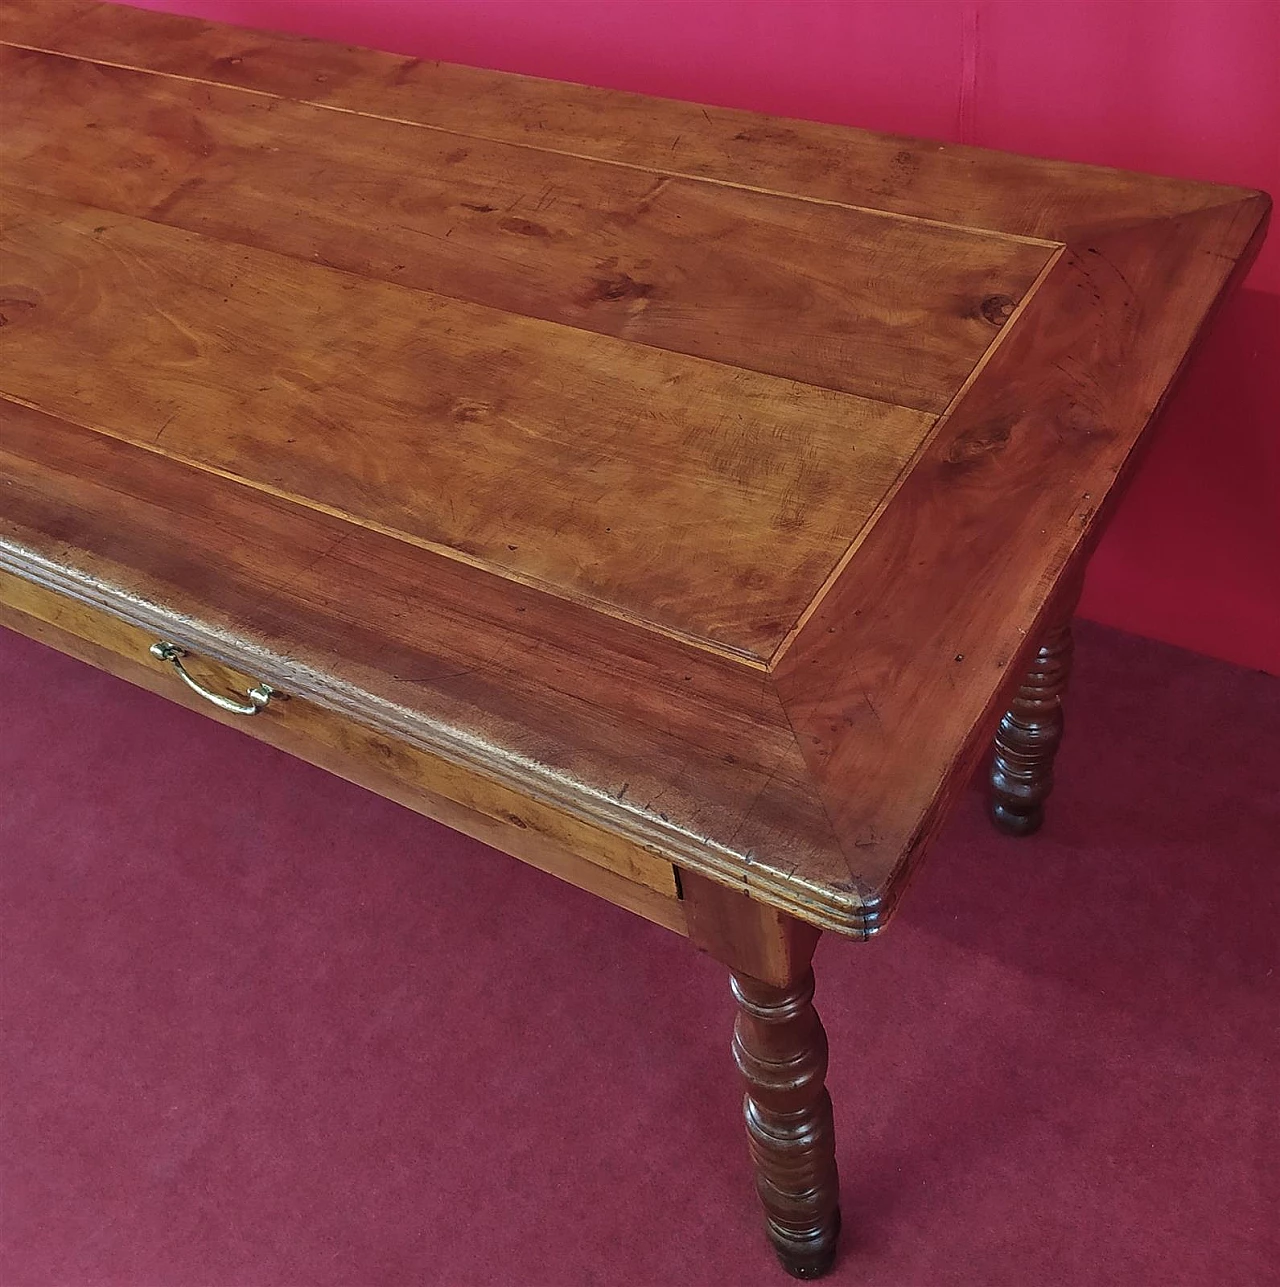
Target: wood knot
525, 227
997, 309
16, 302
468, 412
904, 166
980, 442
614, 287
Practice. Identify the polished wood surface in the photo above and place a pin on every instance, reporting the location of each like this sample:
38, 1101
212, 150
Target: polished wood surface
1028, 738
665, 261
703, 477
748, 936
947, 183
780, 1048
671, 477
372, 628
543, 838
896, 681
677, 499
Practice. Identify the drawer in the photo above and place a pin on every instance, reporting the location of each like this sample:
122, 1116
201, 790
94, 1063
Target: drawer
461, 798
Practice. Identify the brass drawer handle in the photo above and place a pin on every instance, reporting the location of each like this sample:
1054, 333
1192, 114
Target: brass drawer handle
258, 696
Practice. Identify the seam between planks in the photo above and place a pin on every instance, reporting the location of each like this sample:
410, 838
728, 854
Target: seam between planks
741, 657
830, 908
993, 233
608, 337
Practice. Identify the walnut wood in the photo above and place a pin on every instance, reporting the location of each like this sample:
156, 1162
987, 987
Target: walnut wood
758, 627
748, 936
917, 178
897, 679
382, 633
780, 1048
1028, 738
670, 262
739, 463
637, 486
518, 825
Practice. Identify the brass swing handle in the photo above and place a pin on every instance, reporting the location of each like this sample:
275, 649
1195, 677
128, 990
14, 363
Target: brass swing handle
258, 696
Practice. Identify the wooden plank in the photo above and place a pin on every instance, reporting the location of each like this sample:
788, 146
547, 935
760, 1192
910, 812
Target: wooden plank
668, 747
846, 299
897, 680
960, 185
643, 884
898, 566
701, 500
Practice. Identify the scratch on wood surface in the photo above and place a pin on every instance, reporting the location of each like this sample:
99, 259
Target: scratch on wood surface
1133, 295
325, 553
770, 777
866, 696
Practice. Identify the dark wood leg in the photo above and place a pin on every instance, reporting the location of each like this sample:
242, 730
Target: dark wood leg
1028, 738
781, 1051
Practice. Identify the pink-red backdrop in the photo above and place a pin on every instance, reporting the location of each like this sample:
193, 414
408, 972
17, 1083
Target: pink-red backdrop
1184, 87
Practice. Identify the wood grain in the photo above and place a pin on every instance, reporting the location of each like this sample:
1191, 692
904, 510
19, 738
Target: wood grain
696, 498
747, 935
898, 679
780, 1048
641, 488
1028, 737
968, 186
627, 876
666, 746
846, 299
758, 628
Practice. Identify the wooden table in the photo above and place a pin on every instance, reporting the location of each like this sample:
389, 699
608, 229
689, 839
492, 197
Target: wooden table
674, 498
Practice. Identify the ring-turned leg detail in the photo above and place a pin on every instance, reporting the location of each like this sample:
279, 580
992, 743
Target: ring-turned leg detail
781, 1051
1028, 738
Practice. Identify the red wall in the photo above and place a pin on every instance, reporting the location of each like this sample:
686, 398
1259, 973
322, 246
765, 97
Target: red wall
1185, 87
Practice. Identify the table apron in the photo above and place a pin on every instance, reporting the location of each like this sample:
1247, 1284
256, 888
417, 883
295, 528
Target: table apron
583, 855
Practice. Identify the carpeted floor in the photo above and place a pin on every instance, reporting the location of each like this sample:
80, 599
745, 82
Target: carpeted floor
244, 1046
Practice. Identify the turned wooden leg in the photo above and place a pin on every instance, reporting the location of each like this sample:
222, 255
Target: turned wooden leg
781, 1051
1028, 738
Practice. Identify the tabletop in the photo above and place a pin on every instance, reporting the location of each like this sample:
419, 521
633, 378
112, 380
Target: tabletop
704, 474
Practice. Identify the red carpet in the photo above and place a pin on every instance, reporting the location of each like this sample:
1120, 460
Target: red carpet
243, 1048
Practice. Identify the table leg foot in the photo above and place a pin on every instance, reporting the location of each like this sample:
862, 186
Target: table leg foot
781, 1051
1028, 738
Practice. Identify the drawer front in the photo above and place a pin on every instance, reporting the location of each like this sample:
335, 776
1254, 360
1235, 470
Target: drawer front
461, 798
